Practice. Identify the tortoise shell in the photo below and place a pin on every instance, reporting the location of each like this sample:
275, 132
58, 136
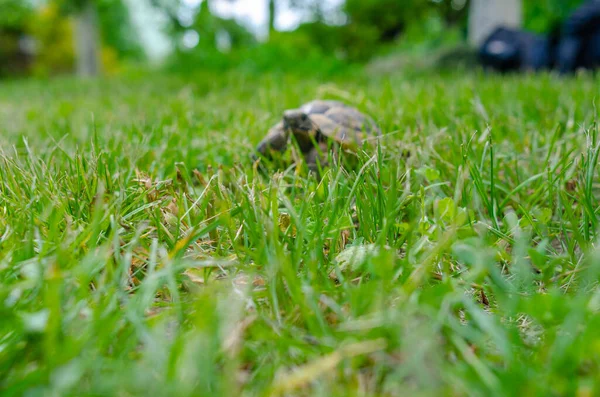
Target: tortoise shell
340, 122
321, 120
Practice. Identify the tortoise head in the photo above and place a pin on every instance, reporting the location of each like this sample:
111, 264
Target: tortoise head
298, 122
302, 128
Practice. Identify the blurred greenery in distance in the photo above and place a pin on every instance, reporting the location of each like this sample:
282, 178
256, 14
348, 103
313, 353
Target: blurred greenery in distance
544, 15
289, 52
54, 34
315, 47
14, 14
118, 31
50, 26
372, 28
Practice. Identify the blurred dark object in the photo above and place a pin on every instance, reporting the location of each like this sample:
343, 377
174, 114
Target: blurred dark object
579, 46
510, 49
16, 53
575, 44
16, 49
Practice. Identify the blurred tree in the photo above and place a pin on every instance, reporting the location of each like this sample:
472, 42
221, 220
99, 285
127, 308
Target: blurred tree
454, 12
370, 24
53, 24
53, 33
219, 33
208, 41
387, 17
117, 29
14, 14
86, 35
87, 38
171, 9
375, 24
313, 7
272, 16
95, 22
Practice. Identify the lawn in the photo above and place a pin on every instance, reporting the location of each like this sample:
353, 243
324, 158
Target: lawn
143, 253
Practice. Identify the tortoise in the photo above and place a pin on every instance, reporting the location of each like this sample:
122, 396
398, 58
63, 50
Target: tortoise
319, 122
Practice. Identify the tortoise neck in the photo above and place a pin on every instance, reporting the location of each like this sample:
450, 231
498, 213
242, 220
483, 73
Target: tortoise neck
304, 140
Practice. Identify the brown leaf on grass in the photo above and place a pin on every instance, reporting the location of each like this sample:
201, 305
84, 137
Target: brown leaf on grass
345, 235
200, 177
243, 279
172, 207
484, 298
180, 177
259, 281
153, 188
195, 276
143, 179
285, 221
139, 260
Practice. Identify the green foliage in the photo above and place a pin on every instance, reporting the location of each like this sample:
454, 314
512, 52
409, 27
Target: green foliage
14, 15
370, 24
140, 248
284, 51
352, 41
52, 26
295, 52
543, 16
290, 53
54, 35
388, 17
117, 29
209, 26
374, 25
206, 53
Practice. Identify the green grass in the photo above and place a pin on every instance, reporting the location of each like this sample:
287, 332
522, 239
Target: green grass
141, 252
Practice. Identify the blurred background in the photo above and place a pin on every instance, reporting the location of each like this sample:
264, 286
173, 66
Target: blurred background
45, 38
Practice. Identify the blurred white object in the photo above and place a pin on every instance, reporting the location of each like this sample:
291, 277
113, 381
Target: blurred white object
496, 47
28, 45
487, 15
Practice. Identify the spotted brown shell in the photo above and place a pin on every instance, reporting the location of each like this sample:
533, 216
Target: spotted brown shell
340, 122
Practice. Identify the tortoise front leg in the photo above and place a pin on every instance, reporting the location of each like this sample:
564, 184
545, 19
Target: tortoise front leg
317, 156
276, 140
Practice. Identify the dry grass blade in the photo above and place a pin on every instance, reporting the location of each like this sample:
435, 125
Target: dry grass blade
310, 372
